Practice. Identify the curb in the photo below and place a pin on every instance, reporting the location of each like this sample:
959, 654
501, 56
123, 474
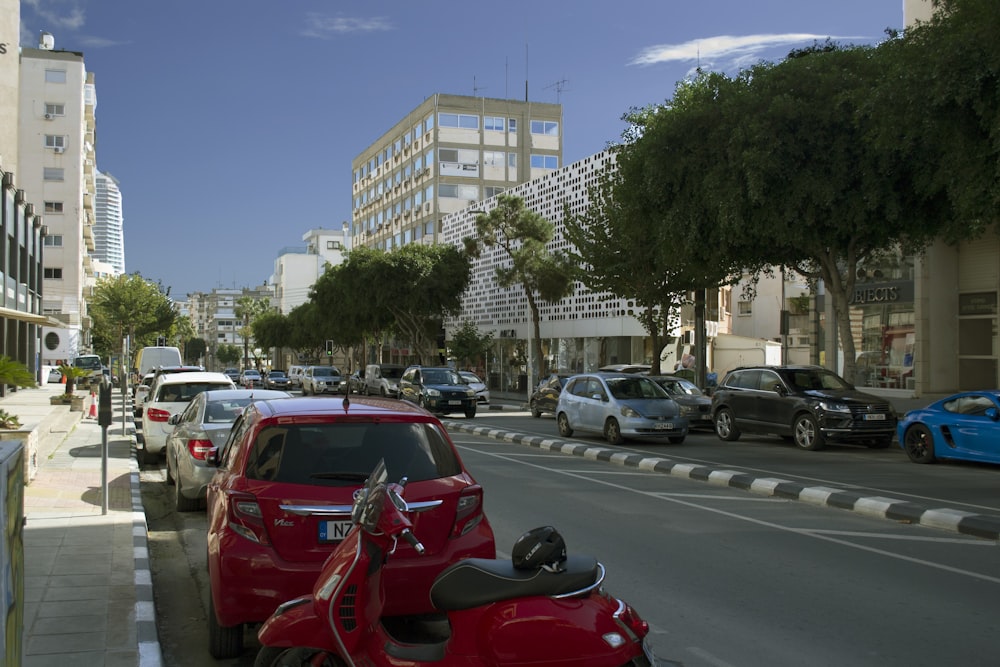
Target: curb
957, 521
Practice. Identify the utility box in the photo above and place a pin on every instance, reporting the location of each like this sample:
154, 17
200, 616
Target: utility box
11, 550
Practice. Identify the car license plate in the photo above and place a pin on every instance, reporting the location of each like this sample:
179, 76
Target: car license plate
663, 426
875, 417
333, 531
454, 402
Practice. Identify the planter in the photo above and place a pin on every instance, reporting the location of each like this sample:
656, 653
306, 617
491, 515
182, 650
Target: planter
75, 403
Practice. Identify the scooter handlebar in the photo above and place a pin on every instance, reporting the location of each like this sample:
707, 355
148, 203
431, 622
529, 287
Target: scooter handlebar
412, 540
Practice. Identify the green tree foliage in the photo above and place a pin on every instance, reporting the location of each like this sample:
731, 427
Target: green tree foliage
522, 237
228, 355
128, 305
15, 373
247, 310
271, 330
468, 346
194, 349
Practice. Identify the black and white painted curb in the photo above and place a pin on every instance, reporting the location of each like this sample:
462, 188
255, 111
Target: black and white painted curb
150, 653
966, 523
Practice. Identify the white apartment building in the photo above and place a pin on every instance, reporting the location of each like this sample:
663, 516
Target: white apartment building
109, 233
213, 315
297, 268
443, 156
56, 134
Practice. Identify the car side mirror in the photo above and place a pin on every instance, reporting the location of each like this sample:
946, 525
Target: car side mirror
780, 390
993, 414
174, 420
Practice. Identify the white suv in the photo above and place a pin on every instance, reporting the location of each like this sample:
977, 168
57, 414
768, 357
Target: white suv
171, 396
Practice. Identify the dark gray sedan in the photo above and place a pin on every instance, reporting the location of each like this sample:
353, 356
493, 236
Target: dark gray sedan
695, 405
204, 424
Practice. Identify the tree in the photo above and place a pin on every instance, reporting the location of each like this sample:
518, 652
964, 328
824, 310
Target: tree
228, 355
195, 349
522, 237
469, 346
271, 330
128, 305
247, 310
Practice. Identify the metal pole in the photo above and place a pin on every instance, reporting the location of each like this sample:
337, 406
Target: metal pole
104, 470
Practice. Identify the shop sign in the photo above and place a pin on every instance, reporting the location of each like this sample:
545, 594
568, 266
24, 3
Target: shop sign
981, 303
874, 293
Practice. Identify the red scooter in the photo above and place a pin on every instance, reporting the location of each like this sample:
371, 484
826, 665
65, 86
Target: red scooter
540, 608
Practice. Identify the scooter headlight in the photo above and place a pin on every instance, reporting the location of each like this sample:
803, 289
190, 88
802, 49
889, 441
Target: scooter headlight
330, 585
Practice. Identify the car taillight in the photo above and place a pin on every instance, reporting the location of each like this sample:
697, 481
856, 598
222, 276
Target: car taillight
469, 512
157, 415
245, 517
199, 448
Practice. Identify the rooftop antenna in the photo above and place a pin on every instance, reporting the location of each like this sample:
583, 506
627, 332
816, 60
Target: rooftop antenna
560, 86
476, 88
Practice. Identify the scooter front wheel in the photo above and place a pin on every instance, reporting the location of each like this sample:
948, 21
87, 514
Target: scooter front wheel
299, 656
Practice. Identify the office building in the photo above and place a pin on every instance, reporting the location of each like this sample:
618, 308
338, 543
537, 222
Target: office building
109, 233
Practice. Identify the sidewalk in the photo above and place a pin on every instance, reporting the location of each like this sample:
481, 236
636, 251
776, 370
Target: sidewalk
88, 595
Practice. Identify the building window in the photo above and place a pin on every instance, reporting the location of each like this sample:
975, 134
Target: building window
458, 162
464, 121
55, 76
512, 160
744, 308
53, 174
452, 191
548, 127
493, 158
55, 109
492, 190
333, 245
54, 240
55, 141
544, 162
512, 125
53, 207
52, 273
493, 123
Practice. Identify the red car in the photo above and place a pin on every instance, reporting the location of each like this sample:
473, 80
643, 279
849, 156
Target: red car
281, 499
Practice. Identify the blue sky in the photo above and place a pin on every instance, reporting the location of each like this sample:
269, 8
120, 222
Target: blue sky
231, 124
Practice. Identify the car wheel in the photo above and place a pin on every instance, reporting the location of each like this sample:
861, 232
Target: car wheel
223, 641
383, 393
169, 474
280, 656
470, 412
806, 432
182, 502
535, 412
613, 432
919, 444
564, 428
677, 440
725, 425
140, 456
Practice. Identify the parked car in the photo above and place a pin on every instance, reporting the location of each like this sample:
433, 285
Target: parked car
141, 397
323, 380
619, 406
808, 405
53, 375
140, 392
356, 382
478, 386
205, 423
170, 396
151, 357
383, 379
626, 368
546, 394
249, 378
438, 389
695, 405
276, 379
963, 426
281, 499
233, 374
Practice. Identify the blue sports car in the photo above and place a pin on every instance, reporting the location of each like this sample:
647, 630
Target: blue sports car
964, 426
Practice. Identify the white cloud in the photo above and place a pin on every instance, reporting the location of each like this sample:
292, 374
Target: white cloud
734, 50
325, 27
54, 15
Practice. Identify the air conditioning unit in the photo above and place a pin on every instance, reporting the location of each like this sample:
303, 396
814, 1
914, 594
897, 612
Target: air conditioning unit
406, 213
48, 116
427, 207
58, 149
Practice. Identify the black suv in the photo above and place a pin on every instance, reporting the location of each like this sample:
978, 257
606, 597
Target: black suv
808, 405
438, 389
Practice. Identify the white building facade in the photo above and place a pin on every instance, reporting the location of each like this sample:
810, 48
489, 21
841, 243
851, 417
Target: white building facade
109, 233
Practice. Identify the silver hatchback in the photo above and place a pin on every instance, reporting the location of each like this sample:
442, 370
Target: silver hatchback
204, 424
619, 406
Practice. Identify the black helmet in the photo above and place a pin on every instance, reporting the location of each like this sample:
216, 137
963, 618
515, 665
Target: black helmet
538, 548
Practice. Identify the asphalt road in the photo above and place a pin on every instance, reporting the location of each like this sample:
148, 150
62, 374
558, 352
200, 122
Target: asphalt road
723, 576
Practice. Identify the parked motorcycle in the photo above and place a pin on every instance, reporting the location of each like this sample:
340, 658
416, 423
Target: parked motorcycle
540, 608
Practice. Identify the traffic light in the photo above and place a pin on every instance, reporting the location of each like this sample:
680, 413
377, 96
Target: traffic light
329, 348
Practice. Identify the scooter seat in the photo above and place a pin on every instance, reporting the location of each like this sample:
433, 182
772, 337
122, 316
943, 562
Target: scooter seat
474, 582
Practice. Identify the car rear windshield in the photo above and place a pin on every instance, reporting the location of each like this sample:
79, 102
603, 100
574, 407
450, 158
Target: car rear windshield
341, 454
183, 393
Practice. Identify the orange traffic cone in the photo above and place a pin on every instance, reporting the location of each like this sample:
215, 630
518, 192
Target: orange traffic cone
93, 405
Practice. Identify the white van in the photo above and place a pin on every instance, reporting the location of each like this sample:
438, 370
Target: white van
295, 376
383, 379
150, 358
